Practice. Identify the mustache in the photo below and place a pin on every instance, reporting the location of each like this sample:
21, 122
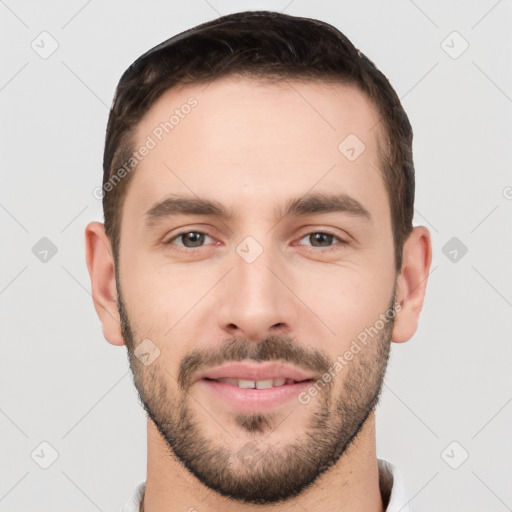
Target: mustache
271, 348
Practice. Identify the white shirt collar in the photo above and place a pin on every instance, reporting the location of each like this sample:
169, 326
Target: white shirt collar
390, 480
392, 483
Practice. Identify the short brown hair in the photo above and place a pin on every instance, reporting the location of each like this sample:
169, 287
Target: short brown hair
258, 44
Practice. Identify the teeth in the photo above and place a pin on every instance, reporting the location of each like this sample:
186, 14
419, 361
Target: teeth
264, 384
246, 384
259, 384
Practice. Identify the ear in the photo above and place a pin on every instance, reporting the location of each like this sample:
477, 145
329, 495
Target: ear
100, 263
412, 283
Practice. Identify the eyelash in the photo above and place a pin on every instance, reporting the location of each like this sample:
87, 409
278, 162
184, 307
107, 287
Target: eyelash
191, 249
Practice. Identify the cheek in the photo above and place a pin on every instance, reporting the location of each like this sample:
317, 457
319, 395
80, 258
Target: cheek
347, 301
162, 297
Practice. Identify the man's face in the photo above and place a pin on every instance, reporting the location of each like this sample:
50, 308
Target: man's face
268, 296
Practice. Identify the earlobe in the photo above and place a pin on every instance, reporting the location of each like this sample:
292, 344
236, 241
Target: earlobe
100, 263
412, 283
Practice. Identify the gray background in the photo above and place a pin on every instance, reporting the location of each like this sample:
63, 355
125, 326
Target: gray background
62, 383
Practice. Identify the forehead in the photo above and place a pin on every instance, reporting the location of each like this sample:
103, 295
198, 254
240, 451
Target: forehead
237, 137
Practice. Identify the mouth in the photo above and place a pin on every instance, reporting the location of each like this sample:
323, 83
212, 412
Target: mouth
259, 384
249, 387
256, 375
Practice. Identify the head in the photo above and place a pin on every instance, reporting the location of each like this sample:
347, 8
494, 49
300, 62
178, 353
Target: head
258, 200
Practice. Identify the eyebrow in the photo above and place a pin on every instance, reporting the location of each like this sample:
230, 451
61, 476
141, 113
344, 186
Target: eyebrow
309, 204
180, 205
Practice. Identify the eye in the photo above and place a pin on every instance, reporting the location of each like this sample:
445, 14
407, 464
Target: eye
322, 239
189, 239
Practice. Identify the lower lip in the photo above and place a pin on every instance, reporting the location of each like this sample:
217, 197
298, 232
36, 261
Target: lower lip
255, 400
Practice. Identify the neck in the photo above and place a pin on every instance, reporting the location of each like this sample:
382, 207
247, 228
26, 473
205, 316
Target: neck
351, 485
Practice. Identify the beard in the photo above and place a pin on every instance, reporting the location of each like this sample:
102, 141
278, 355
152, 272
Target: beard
256, 473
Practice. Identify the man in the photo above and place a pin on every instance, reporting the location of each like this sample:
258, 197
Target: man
257, 258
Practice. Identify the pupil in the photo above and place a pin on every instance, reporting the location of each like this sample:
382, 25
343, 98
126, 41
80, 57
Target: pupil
195, 238
319, 237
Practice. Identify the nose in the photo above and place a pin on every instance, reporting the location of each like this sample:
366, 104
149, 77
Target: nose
256, 300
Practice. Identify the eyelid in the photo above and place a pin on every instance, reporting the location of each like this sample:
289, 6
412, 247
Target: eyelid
168, 240
341, 235
341, 241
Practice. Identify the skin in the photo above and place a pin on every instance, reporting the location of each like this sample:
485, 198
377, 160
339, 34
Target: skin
252, 146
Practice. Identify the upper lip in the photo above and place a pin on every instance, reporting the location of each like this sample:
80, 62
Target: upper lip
255, 371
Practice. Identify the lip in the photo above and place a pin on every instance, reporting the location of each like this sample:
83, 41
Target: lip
255, 371
254, 400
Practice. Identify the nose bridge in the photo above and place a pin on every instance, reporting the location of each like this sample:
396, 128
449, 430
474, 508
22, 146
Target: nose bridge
256, 281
